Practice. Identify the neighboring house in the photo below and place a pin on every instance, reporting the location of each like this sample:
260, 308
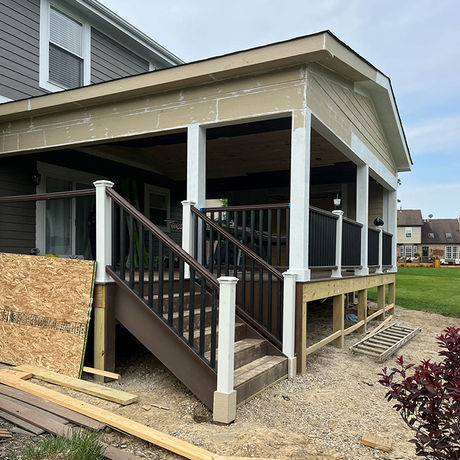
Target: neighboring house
441, 238
52, 45
280, 132
410, 223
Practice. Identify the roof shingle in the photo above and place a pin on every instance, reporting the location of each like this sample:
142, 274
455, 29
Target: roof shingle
410, 218
439, 228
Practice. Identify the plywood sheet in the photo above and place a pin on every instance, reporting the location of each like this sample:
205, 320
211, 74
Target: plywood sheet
45, 308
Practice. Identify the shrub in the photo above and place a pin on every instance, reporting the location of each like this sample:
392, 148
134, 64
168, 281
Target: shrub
429, 399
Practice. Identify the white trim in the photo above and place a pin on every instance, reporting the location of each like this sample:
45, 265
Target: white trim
4, 99
44, 58
46, 169
161, 191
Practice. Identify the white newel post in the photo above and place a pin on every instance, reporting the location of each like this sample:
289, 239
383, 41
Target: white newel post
380, 267
224, 409
289, 321
300, 193
393, 227
188, 236
103, 230
362, 214
337, 273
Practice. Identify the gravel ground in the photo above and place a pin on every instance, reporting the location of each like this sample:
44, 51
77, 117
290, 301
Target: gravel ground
321, 415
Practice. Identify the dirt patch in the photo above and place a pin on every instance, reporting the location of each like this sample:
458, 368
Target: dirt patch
320, 415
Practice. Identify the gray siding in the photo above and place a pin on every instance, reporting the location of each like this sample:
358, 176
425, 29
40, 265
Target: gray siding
19, 48
110, 60
17, 221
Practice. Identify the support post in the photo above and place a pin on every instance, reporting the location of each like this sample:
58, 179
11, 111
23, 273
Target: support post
337, 272
289, 321
393, 228
301, 330
392, 297
362, 214
224, 408
188, 236
362, 310
379, 269
381, 299
300, 194
103, 230
338, 320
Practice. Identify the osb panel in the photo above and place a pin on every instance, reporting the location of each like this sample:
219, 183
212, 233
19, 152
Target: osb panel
45, 308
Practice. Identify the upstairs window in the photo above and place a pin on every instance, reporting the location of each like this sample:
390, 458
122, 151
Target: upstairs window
408, 232
449, 236
64, 49
430, 236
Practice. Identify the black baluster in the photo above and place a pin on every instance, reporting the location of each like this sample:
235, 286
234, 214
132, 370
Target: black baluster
214, 328
269, 244
171, 288
278, 237
180, 323
122, 244
151, 272
202, 317
141, 261
219, 246
131, 251
191, 309
235, 249
278, 310
243, 223
114, 236
161, 278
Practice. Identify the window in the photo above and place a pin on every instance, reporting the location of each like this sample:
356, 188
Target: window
452, 252
408, 232
449, 236
431, 236
401, 251
157, 206
64, 49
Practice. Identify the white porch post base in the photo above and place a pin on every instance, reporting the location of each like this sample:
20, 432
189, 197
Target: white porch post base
187, 232
224, 407
362, 271
289, 320
292, 367
303, 274
379, 269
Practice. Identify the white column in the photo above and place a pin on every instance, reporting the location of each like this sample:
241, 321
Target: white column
289, 321
380, 267
103, 230
393, 227
300, 193
337, 273
196, 173
362, 213
188, 237
224, 408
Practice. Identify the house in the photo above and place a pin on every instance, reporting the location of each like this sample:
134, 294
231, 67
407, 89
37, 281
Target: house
302, 138
441, 238
410, 224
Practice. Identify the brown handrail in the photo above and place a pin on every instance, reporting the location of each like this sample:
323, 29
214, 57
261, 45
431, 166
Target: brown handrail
238, 244
352, 222
169, 243
250, 207
48, 196
324, 212
388, 233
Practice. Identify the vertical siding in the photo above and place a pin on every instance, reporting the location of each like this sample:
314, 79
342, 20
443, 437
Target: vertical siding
17, 221
110, 60
19, 48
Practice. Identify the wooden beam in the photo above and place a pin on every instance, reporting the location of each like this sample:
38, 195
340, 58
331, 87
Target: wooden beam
374, 315
338, 321
121, 423
315, 290
300, 330
362, 310
110, 375
376, 442
90, 388
350, 329
323, 342
392, 296
381, 299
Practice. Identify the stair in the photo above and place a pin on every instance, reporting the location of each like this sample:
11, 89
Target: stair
258, 364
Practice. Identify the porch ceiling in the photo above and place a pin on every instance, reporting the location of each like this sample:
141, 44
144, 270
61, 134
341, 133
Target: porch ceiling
227, 155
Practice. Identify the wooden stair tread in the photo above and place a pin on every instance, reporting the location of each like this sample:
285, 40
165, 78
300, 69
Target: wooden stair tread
240, 346
255, 368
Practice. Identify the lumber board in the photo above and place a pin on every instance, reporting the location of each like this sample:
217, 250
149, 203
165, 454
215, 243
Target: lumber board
5, 434
377, 442
70, 415
170, 443
19, 374
323, 342
110, 375
353, 328
374, 315
380, 326
110, 394
398, 345
29, 427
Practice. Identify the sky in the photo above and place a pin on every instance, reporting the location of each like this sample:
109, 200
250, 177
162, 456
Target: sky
415, 43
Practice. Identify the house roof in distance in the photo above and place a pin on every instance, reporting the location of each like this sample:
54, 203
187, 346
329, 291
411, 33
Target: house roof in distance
410, 218
440, 230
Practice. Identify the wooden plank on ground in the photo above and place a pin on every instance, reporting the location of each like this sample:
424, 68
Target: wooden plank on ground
376, 442
70, 415
19, 374
120, 397
170, 443
21, 423
110, 375
5, 434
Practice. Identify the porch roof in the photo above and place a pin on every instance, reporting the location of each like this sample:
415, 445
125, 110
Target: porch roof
322, 47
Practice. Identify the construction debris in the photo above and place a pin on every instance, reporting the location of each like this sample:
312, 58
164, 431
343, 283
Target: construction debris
376, 442
109, 375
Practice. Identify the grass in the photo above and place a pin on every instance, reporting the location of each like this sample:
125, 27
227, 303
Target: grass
436, 290
82, 445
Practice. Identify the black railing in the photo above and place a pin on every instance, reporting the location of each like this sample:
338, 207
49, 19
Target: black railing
263, 228
387, 247
373, 247
260, 287
351, 243
322, 238
188, 307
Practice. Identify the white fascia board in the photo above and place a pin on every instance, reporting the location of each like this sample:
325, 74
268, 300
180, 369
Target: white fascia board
96, 9
4, 99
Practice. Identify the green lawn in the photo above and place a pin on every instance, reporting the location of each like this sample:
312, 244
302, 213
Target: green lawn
436, 290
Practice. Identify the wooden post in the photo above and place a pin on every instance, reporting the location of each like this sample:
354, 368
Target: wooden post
338, 320
391, 297
301, 330
104, 330
362, 310
381, 299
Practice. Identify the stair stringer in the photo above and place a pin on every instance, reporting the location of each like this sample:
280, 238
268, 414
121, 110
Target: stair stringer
161, 341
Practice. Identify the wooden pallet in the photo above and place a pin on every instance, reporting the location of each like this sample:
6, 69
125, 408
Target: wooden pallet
385, 342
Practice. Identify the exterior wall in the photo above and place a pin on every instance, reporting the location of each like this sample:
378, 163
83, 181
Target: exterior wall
19, 48
375, 202
438, 250
333, 99
110, 60
416, 235
17, 221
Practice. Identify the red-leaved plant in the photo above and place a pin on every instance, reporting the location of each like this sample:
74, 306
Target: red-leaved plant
429, 399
